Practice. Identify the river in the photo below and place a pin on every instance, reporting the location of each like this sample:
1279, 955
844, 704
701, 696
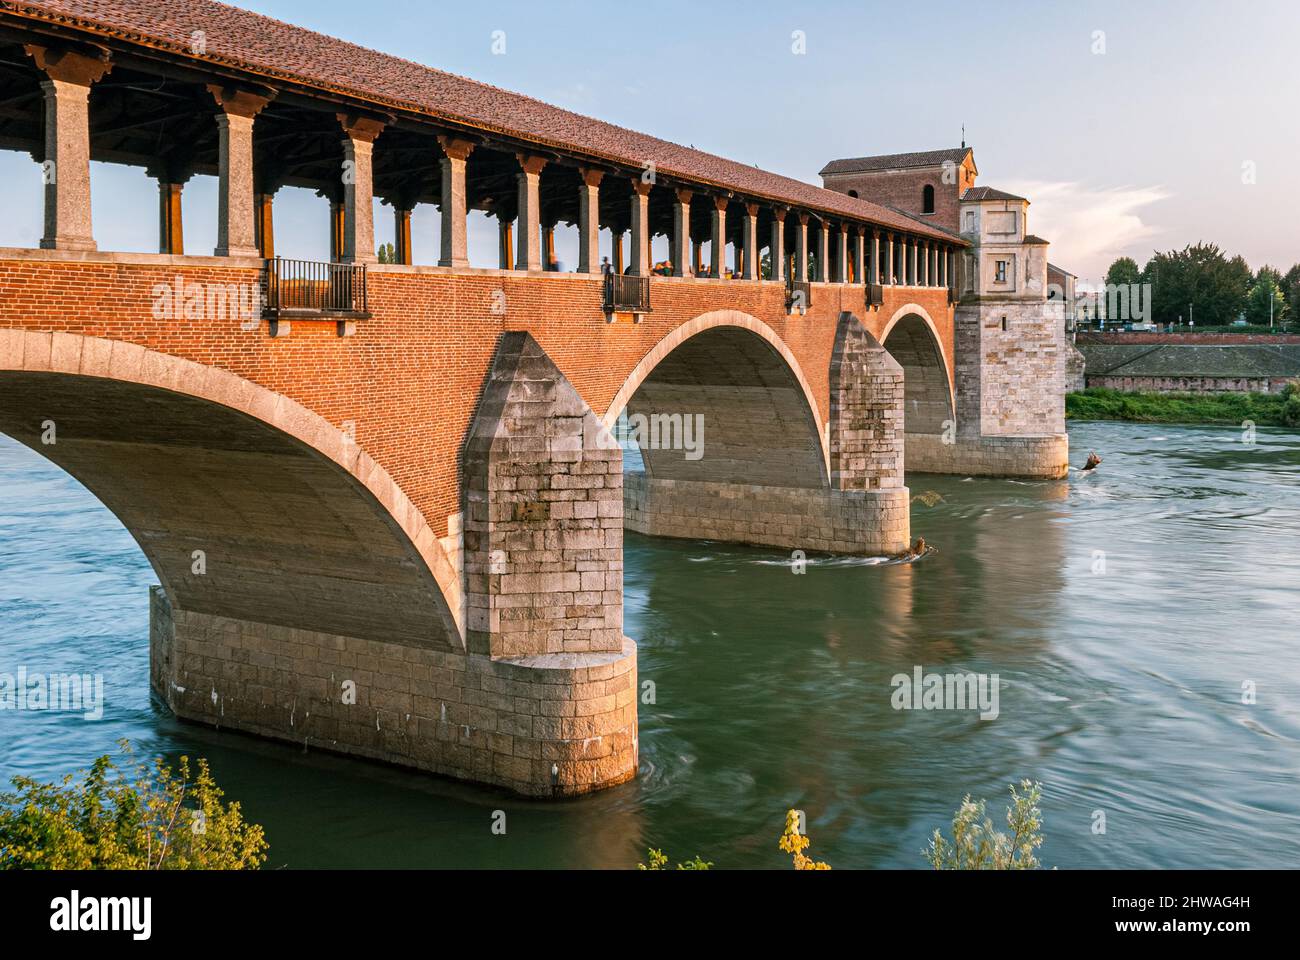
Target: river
1128, 614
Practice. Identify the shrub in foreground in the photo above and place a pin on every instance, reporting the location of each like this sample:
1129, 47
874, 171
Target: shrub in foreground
139, 816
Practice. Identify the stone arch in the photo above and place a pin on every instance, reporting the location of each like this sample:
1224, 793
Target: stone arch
742, 376
300, 527
912, 339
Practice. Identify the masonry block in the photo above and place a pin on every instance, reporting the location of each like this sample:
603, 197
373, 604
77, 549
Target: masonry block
535, 444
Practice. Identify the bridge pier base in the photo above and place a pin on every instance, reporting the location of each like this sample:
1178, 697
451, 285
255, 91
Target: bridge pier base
1043, 457
824, 521
544, 726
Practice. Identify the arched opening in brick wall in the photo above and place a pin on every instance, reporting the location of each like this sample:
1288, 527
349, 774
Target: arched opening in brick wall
247, 506
721, 405
927, 395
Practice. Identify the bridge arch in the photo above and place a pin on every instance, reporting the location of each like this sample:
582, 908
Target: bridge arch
912, 338
297, 525
761, 418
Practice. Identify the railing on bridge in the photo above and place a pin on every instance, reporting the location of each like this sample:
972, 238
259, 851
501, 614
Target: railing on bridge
307, 288
626, 294
798, 295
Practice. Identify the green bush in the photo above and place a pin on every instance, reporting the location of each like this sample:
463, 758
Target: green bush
976, 845
1264, 409
143, 817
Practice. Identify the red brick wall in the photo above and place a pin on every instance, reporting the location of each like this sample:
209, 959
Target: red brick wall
902, 189
411, 375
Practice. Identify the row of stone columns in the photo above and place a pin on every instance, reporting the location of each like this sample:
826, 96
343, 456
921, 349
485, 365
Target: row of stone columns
245, 225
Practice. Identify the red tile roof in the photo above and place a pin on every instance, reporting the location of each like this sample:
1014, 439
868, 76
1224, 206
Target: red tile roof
989, 193
276, 50
897, 161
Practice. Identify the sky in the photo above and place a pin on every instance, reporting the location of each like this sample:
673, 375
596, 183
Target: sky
1131, 127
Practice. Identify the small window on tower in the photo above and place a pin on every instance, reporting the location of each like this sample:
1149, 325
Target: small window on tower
927, 199
853, 193
1000, 272
1004, 323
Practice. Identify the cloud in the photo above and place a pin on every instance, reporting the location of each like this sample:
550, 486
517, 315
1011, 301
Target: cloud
1089, 227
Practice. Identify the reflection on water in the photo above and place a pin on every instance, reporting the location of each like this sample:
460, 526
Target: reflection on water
1121, 690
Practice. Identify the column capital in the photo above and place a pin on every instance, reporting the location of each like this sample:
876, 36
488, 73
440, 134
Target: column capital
804, 217
240, 102
531, 163
860, 229
171, 170
591, 176
683, 194
640, 186
778, 214
82, 66
455, 148
751, 209
358, 126
720, 203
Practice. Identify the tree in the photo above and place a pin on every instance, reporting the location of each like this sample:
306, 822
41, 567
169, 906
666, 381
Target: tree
1265, 296
1123, 271
1197, 282
387, 253
1269, 272
143, 817
1291, 290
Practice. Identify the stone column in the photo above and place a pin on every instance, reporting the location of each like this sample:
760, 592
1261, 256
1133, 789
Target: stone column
264, 224
358, 142
718, 237
914, 250
859, 255
823, 251
750, 232
529, 255
697, 258
842, 254
777, 251
455, 242
505, 242
549, 262
640, 227
66, 166
171, 233
402, 233
336, 230
681, 245
236, 233
617, 260
589, 220
801, 249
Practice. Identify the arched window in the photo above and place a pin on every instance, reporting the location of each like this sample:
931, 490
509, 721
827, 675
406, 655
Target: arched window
853, 193
927, 199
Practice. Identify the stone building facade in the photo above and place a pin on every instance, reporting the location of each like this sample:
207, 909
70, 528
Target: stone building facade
1010, 344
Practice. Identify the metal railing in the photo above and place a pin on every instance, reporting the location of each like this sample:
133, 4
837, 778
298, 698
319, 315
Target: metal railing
626, 294
798, 295
312, 287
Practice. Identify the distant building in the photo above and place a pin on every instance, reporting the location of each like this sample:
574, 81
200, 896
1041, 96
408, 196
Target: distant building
927, 185
1001, 285
1191, 368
